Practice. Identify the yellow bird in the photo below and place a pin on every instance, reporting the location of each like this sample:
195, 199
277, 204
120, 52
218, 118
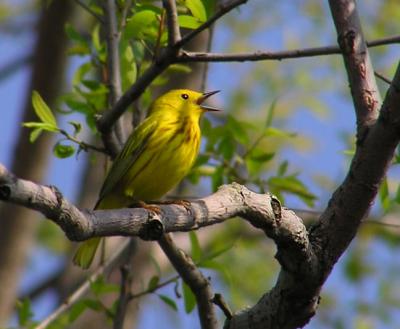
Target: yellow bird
155, 158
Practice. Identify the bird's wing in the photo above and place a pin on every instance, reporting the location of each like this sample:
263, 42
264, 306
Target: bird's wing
132, 150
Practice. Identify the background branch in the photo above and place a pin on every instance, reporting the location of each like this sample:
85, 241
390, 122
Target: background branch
84, 288
113, 142
196, 281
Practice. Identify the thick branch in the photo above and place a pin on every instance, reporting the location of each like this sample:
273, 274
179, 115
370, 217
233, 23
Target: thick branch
357, 61
261, 210
293, 300
192, 276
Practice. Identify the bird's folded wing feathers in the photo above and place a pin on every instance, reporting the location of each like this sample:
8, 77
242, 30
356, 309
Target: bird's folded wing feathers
132, 150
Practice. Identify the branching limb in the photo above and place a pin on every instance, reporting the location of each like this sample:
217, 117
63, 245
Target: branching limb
83, 145
192, 276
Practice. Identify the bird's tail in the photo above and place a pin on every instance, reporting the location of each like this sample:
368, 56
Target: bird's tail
85, 253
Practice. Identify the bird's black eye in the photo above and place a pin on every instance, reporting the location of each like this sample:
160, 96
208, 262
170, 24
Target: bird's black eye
185, 96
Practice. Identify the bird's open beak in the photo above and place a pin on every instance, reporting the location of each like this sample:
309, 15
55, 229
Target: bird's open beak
204, 97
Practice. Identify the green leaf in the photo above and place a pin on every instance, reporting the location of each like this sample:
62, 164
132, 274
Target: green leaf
188, 298
77, 127
38, 128
217, 178
73, 34
237, 130
188, 22
384, 195
81, 72
142, 23
271, 113
34, 135
283, 168
263, 157
24, 312
195, 246
275, 132
100, 286
76, 310
63, 151
397, 196
41, 125
128, 65
169, 301
181, 68
349, 152
226, 147
292, 185
42, 110
152, 285
78, 106
197, 9
216, 253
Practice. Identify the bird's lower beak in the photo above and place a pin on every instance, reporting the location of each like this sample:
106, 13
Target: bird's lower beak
204, 97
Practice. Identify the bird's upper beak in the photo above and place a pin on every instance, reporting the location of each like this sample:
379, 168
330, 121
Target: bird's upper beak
203, 97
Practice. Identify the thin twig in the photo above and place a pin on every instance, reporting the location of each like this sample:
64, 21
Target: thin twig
153, 289
219, 300
124, 15
382, 77
186, 56
89, 10
83, 289
192, 276
14, 65
222, 10
83, 145
126, 281
174, 33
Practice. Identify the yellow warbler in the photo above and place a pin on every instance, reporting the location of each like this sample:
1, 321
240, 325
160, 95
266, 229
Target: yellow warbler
155, 158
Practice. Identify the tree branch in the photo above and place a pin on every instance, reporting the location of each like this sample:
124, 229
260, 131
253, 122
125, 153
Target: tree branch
291, 304
113, 142
223, 9
189, 57
126, 282
260, 210
196, 281
174, 33
364, 91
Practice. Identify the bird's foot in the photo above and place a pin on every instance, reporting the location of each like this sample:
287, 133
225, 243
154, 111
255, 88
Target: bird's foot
184, 203
150, 207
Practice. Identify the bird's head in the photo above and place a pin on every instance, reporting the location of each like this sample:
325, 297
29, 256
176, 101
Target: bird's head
182, 102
